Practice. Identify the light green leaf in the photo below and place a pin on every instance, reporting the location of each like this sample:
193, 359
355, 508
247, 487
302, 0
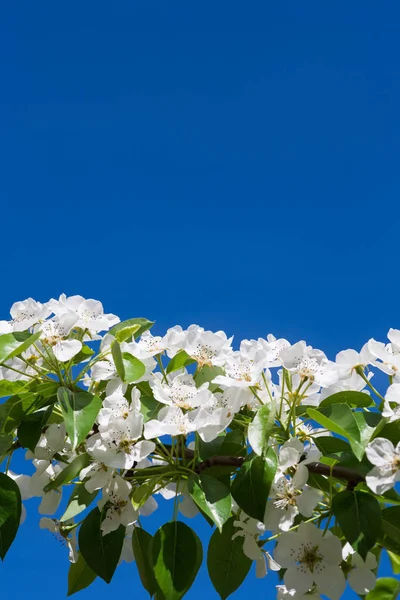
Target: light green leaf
9, 388
226, 562
386, 588
180, 360
69, 473
79, 500
177, 555
359, 399
10, 512
13, 344
80, 411
101, 552
212, 497
260, 428
144, 325
134, 369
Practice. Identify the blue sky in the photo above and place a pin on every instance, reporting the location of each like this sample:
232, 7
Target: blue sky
225, 163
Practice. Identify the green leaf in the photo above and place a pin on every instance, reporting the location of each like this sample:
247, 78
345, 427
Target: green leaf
5, 442
251, 486
395, 562
80, 411
390, 431
144, 325
260, 428
30, 429
177, 555
150, 407
359, 399
208, 449
386, 588
9, 388
234, 444
80, 576
391, 522
13, 411
13, 344
141, 544
79, 500
129, 368
101, 552
84, 354
126, 333
117, 356
69, 473
180, 360
10, 512
359, 516
206, 374
328, 444
226, 562
340, 419
133, 367
142, 493
212, 496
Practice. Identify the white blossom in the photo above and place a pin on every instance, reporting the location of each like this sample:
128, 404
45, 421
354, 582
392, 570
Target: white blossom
386, 458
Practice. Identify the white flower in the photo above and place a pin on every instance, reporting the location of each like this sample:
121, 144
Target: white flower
171, 420
311, 559
55, 332
205, 347
288, 497
240, 371
360, 577
148, 345
90, 313
25, 314
45, 473
96, 476
117, 406
349, 360
116, 444
251, 530
310, 363
392, 395
51, 442
120, 510
387, 357
273, 348
386, 458
180, 391
61, 531
285, 594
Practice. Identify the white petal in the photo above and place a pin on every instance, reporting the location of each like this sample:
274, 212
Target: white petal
362, 580
298, 579
66, 349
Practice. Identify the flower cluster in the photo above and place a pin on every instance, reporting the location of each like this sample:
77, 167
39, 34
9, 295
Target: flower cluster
292, 456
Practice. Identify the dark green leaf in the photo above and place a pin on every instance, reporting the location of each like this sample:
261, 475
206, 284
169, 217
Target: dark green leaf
328, 444
80, 576
80, 411
79, 500
339, 419
359, 516
234, 444
208, 449
391, 522
5, 442
30, 429
260, 428
386, 588
212, 496
351, 398
251, 486
10, 512
226, 562
144, 325
15, 409
141, 544
101, 552
176, 556
180, 360
69, 473
390, 431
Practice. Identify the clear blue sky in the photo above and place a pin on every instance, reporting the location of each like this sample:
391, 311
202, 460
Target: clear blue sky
225, 163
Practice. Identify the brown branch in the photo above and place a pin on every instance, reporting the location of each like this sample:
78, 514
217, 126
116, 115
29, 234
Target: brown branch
349, 475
